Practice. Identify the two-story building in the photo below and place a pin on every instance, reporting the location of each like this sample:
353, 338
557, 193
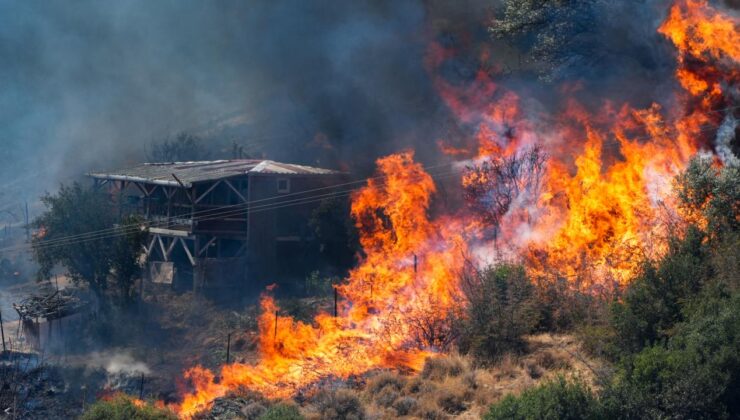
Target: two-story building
227, 225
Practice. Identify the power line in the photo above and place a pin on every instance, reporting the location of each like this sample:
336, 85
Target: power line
217, 211
120, 231
223, 211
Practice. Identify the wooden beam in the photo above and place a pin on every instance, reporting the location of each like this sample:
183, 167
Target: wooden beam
202, 196
205, 247
142, 189
161, 246
249, 206
244, 200
150, 248
187, 251
169, 249
169, 232
242, 249
170, 192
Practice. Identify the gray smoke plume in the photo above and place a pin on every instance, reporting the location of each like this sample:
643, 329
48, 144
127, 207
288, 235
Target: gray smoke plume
90, 84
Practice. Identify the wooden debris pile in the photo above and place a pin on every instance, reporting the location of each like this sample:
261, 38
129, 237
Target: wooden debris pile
55, 305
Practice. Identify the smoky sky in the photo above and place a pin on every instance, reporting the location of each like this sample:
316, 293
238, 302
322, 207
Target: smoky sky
91, 84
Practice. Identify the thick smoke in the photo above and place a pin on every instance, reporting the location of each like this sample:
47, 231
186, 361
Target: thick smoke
91, 84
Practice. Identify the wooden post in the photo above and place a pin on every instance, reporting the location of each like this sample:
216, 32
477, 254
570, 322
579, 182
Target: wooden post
415, 261
335, 302
28, 231
169, 208
84, 396
276, 322
228, 348
2, 331
141, 387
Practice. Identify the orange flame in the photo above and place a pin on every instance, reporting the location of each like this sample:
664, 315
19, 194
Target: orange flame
606, 184
599, 210
408, 273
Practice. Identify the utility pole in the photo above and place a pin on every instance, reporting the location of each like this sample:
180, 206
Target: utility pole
141, 387
28, 231
335, 301
2, 331
228, 348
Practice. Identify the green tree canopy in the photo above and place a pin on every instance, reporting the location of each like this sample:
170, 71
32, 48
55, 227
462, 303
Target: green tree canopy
80, 230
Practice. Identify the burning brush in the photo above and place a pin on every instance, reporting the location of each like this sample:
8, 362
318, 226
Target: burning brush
577, 195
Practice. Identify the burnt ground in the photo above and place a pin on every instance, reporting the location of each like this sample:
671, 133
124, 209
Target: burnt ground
156, 339
166, 334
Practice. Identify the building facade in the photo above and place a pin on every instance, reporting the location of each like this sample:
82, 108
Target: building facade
226, 226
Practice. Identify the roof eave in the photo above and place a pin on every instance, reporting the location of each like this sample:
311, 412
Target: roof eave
162, 182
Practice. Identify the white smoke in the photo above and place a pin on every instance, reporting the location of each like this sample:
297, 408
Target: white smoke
121, 368
725, 135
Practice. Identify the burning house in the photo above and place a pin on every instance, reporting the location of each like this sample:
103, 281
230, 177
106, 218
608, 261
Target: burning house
225, 225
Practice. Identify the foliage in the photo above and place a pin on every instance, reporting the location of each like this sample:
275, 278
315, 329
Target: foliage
678, 325
552, 33
500, 309
675, 331
125, 262
282, 411
68, 237
557, 399
654, 302
712, 194
695, 375
182, 147
563, 307
651, 305
123, 407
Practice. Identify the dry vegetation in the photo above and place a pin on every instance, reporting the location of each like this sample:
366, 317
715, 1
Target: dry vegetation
448, 386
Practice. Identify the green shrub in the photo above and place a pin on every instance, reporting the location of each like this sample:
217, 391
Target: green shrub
600, 341
501, 308
282, 411
712, 194
122, 407
652, 304
696, 374
557, 399
562, 307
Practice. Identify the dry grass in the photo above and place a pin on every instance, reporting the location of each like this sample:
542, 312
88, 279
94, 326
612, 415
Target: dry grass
453, 387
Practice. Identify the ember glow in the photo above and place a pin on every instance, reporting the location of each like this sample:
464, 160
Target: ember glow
589, 191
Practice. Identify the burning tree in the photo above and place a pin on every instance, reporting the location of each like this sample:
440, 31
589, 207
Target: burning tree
501, 184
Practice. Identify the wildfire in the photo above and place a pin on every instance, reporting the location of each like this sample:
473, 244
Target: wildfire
578, 193
407, 277
607, 181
